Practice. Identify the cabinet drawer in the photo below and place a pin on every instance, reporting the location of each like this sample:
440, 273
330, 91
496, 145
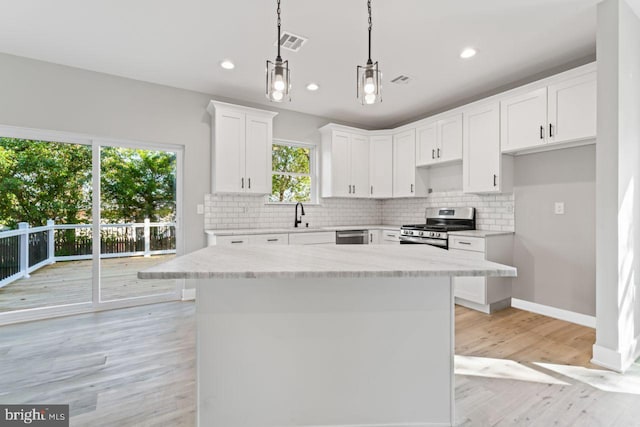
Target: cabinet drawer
269, 239
319, 238
232, 240
391, 236
467, 243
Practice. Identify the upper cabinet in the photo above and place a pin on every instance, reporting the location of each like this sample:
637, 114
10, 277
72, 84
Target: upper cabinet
562, 111
345, 163
381, 166
241, 149
404, 164
439, 141
482, 169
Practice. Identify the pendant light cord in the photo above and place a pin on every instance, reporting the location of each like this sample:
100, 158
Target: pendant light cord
278, 11
370, 25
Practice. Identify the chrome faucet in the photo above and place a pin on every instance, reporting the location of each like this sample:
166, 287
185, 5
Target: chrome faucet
297, 221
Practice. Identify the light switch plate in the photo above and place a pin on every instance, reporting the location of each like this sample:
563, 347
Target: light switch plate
559, 208
200, 209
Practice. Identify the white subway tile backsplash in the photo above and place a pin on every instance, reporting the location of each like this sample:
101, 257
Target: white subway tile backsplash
493, 212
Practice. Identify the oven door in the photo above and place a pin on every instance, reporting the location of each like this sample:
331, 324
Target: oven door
408, 240
352, 237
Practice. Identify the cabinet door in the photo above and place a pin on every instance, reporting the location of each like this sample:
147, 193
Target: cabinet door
450, 138
481, 149
470, 288
381, 166
572, 109
524, 119
258, 155
374, 237
404, 164
232, 240
229, 152
359, 166
269, 239
427, 147
340, 164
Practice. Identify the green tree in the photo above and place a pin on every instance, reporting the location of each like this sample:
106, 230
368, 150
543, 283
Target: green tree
42, 180
137, 184
291, 169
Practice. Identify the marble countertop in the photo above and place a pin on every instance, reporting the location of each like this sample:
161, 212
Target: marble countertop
339, 261
479, 233
247, 231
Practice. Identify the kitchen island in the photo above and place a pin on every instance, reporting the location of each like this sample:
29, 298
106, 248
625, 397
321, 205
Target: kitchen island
324, 335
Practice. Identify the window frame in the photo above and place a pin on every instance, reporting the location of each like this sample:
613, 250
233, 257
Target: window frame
313, 170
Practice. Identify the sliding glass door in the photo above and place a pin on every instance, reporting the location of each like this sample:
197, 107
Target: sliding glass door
138, 211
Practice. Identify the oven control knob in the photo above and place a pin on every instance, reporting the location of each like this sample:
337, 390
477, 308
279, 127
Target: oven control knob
420, 233
432, 234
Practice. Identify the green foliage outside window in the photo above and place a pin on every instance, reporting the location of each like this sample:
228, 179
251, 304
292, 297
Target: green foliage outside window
291, 179
42, 180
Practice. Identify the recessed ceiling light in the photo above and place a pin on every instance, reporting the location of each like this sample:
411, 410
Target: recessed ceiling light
227, 65
312, 87
468, 52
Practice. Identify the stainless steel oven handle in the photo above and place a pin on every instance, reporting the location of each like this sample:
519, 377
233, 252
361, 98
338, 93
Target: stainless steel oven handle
352, 235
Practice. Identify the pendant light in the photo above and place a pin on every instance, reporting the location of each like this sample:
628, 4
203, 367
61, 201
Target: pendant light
369, 78
278, 76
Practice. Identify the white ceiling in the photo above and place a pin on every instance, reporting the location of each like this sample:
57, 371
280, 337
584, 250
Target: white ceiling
181, 43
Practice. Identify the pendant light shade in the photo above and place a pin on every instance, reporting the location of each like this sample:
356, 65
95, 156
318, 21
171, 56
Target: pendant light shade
369, 77
278, 75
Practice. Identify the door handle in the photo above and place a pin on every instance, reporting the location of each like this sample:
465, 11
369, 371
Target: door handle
495, 177
550, 130
412, 188
242, 182
541, 132
433, 154
438, 153
249, 183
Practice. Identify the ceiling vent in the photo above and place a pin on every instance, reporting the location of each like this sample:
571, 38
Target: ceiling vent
291, 41
402, 80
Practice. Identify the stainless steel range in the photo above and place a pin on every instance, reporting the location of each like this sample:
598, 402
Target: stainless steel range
439, 222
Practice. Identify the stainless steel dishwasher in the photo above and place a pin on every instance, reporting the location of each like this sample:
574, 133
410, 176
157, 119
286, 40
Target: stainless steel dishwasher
352, 237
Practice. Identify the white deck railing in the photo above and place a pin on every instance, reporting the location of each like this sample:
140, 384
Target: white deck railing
15, 258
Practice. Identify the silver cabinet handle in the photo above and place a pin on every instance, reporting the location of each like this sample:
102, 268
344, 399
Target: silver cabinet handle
272, 240
349, 188
550, 130
370, 237
242, 182
249, 182
354, 189
412, 188
541, 132
237, 241
463, 243
495, 178
433, 154
438, 153
372, 189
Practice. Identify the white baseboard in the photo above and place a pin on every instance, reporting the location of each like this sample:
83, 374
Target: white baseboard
189, 294
615, 360
557, 313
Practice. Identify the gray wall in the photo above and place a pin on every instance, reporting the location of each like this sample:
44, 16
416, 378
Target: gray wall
41, 95
555, 254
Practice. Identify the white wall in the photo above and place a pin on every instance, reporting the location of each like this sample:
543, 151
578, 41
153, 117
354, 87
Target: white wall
555, 254
617, 187
43, 95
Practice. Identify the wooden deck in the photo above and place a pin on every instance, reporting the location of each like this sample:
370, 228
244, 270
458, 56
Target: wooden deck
70, 282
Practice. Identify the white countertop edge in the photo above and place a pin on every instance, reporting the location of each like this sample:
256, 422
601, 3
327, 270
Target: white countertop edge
252, 231
480, 233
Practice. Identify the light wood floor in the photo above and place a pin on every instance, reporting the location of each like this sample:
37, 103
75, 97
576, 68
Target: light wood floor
69, 282
136, 367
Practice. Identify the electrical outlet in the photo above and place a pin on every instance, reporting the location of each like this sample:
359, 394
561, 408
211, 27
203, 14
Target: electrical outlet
200, 209
559, 208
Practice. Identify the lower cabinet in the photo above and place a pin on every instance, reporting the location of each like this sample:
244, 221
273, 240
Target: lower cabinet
390, 237
313, 238
374, 237
486, 294
269, 239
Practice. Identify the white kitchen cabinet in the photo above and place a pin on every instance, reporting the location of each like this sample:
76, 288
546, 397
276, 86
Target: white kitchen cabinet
229, 240
345, 163
404, 164
560, 112
523, 120
486, 294
374, 237
241, 148
439, 141
269, 239
390, 237
572, 109
381, 166
484, 169
313, 238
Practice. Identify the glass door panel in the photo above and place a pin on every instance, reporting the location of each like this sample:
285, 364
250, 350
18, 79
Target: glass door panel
45, 224
138, 214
